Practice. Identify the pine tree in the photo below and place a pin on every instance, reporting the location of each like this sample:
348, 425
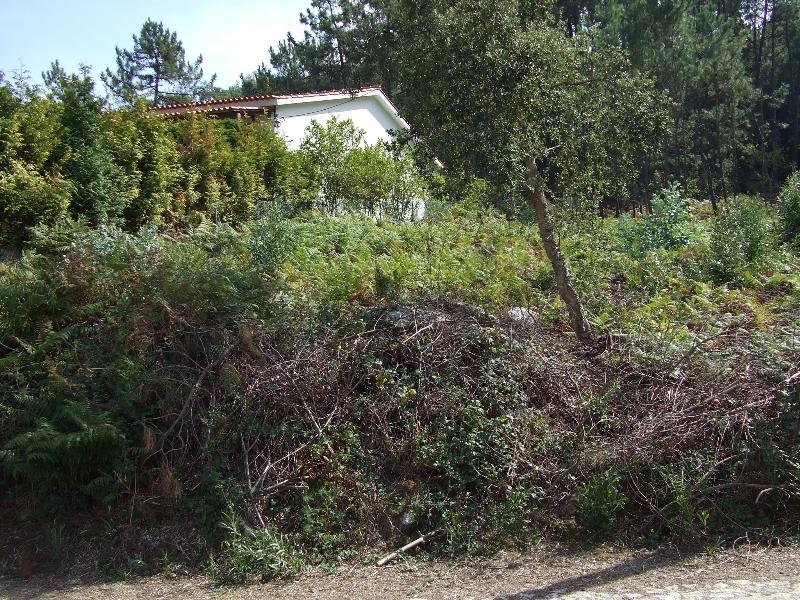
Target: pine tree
696, 55
346, 44
156, 68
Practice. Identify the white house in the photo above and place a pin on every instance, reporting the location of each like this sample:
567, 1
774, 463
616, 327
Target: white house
369, 109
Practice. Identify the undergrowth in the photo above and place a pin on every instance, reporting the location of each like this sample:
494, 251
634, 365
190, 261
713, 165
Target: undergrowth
301, 389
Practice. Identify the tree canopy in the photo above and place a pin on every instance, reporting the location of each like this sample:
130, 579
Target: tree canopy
156, 68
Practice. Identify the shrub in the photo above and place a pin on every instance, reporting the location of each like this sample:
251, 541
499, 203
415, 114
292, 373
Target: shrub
270, 237
740, 240
27, 199
352, 177
169, 362
666, 227
789, 209
248, 552
599, 500
143, 147
101, 189
67, 451
81, 330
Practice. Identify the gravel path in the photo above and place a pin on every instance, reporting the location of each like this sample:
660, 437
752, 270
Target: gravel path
588, 575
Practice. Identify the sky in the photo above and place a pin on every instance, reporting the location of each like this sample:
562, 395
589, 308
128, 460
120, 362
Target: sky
232, 35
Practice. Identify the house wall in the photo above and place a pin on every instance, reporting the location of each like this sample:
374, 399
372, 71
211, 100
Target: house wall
365, 112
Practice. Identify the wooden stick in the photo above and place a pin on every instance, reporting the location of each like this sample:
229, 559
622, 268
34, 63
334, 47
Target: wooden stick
420, 540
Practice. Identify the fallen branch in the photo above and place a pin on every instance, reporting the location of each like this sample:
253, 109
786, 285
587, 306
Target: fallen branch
420, 540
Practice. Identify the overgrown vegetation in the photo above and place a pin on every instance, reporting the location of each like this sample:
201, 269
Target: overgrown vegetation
217, 350
305, 387
63, 156
789, 202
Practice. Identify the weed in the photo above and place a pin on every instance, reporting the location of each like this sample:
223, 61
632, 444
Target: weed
599, 501
248, 552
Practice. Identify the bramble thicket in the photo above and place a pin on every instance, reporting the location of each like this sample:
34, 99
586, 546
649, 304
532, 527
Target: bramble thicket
218, 351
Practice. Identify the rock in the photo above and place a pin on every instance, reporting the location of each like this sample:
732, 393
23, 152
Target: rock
400, 316
523, 315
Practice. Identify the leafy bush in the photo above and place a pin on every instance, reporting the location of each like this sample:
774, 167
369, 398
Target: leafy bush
789, 209
270, 237
740, 240
248, 552
342, 382
28, 199
66, 451
148, 154
82, 333
101, 190
666, 227
352, 177
599, 501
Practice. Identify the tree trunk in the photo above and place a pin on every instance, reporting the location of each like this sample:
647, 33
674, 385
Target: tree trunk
539, 203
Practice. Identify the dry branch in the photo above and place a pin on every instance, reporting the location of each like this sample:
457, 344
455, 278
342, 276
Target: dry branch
420, 540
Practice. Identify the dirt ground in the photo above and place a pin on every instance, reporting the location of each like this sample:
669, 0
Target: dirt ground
600, 574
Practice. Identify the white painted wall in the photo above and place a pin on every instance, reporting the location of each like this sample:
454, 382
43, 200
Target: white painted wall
366, 112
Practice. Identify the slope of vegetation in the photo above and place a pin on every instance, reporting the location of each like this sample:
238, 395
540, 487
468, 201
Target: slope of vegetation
217, 351
302, 388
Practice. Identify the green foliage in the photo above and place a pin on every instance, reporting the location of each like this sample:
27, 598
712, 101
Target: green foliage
29, 127
352, 178
483, 259
343, 344
740, 240
472, 67
599, 501
346, 44
132, 169
270, 237
27, 199
68, 453
789, 209
81, 330
147, 153
156, 68
248, 553
324, 380
665, 227
100, 189
696, 55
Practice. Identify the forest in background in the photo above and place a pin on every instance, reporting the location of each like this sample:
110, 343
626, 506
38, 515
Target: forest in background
218, 352
726, 78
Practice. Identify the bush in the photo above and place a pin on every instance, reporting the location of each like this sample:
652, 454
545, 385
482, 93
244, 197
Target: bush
270, 237
101, 189
144, 148
27, 199
599, 500
352, 177
248, 552
67, 451
789, 209
740, 240
344, 383
94, 333
666, 227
